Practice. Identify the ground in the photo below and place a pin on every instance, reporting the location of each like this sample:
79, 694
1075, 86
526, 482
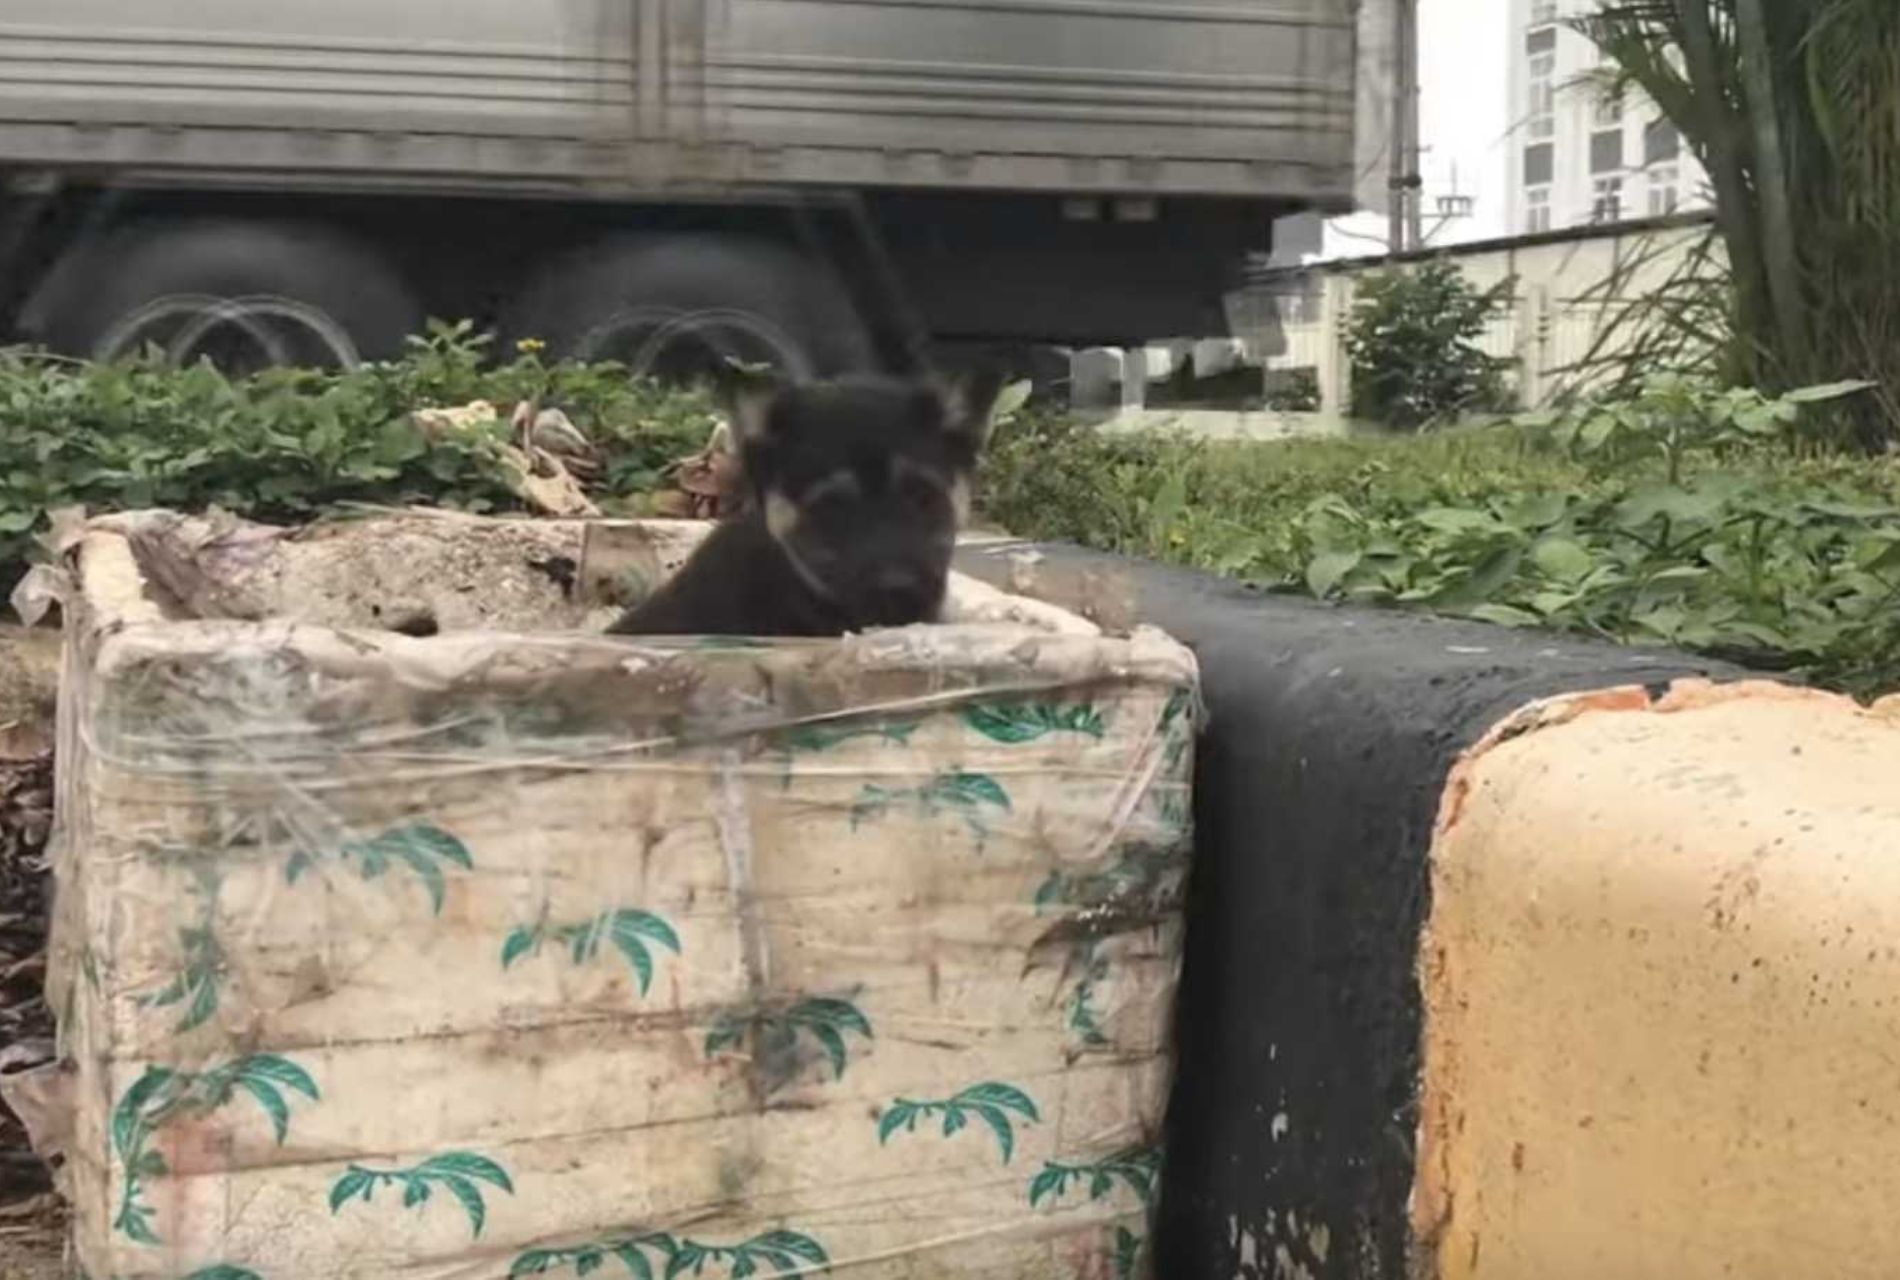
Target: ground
30, 1239
31, 1225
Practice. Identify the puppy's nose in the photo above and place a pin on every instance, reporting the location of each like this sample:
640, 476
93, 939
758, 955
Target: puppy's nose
902, 596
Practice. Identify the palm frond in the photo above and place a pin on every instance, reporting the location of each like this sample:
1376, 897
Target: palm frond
1793, 109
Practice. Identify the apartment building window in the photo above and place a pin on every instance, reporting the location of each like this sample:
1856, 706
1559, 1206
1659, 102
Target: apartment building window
1661, 143
1662, 189
1540, 164
1540, 109
1606, 151
1543, 12
1537, 210
1606, 200
1609, 110
1540, 169
1541, 119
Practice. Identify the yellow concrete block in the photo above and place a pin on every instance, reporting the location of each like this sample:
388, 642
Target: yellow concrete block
1662, 988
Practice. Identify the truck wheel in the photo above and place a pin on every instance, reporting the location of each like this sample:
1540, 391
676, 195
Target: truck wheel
676, 307
245, 295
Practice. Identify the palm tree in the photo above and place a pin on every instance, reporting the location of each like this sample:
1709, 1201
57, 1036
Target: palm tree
1793, 107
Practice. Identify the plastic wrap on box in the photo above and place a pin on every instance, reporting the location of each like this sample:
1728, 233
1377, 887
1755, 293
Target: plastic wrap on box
514, 949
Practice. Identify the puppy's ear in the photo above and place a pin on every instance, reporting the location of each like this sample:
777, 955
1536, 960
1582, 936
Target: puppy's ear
969, 404
746, 393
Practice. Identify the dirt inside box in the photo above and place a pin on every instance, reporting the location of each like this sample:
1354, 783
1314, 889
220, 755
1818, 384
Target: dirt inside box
406, 928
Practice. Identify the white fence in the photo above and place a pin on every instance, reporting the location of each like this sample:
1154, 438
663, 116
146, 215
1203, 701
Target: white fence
1561, 312
1543, 339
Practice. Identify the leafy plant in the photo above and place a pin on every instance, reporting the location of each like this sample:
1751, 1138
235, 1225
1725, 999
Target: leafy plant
1137, 1167
1017, 722
775, 1031
162, 1095
787, 1253
1672, 418
628, 929
1126, 1251
1292, 390
1768, 551
1412, 341
997, 1105
422, 847
967, 795
287, 444
460, 1173
1011, 401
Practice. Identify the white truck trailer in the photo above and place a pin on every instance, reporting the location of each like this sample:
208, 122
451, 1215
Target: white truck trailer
810, 182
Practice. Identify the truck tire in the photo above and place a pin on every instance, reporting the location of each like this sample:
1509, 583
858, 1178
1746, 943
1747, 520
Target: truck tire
672, 306
246, 294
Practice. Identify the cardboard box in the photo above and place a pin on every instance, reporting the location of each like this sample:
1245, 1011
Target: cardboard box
506, 948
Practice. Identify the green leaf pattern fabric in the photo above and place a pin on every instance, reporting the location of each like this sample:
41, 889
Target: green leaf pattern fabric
646, 978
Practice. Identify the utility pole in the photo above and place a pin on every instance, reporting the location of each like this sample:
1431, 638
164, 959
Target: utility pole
1407, 220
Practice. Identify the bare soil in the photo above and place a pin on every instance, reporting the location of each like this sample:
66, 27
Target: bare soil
32, 1237
32, 1222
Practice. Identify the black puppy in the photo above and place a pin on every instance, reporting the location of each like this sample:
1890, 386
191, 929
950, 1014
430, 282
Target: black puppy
855, 490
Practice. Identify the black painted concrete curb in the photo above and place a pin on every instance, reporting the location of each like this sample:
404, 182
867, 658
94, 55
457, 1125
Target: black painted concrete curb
1329, 737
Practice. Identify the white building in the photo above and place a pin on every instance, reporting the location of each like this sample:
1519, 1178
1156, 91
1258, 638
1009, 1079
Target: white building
1577, 156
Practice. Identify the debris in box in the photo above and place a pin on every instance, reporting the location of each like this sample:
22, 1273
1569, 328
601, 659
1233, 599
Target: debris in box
706, 485
519, 950
542, 464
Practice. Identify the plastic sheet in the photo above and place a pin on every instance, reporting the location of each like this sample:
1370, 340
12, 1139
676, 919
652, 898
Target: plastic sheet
519, 950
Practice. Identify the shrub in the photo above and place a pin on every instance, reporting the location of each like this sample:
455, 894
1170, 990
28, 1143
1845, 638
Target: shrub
1671, 418
1748, 553
286, 444
1412, 342
1292, 390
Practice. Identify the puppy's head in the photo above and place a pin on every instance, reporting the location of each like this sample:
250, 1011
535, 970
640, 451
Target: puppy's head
864, 482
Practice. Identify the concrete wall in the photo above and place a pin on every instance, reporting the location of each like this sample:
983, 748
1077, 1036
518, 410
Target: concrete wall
1570, 287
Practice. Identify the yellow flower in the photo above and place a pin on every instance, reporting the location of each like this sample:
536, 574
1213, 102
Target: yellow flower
531, 346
